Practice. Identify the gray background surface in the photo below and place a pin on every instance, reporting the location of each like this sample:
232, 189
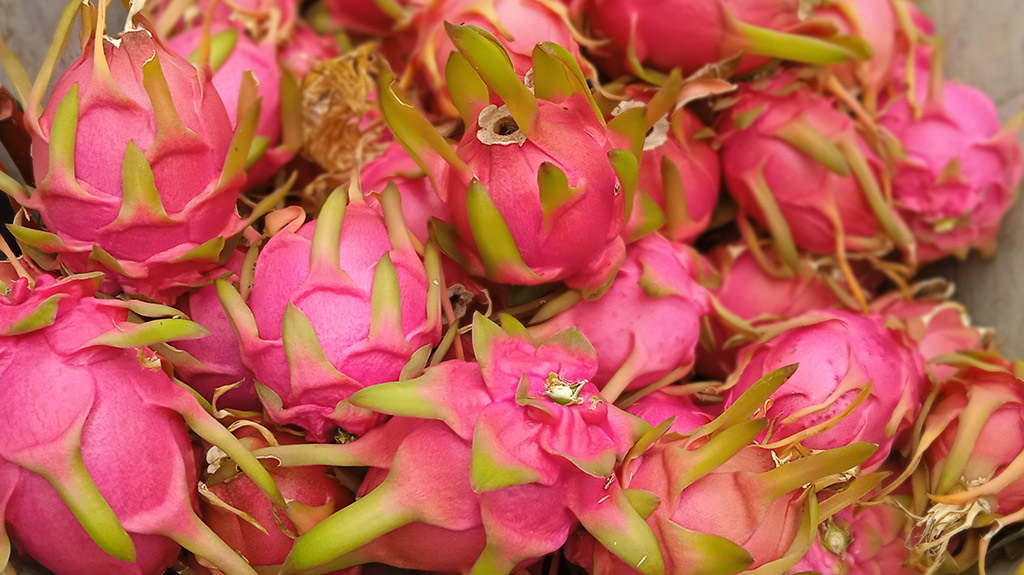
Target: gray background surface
984, 48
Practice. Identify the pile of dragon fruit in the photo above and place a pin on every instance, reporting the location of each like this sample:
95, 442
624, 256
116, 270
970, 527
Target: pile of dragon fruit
501, 287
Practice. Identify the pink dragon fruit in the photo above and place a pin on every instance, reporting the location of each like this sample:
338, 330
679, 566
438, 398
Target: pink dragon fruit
718, 504
214, 361
518, 24
336, 304
747, 293
796, 164
567, 227
271, 18
957, 169
521, 452
644, 328
419, 200
663, 404
641, 32
971, 443
97, 473
680, 174
861, 541
124, 207
856, 382
307, 48
875, 22
313, 492
234, 56
935, 324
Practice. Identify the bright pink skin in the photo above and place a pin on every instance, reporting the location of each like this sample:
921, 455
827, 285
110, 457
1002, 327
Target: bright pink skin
313, 487
647, 324
699, 172
419, 201
728, 502
878, 544
960, 172
659, 406
799, 184
527, 23
935, 325
651, 24
306, 48
220, 362
746, 290
993, 402
579, 243
838, 352
337, 303
919, 53
81, 205
284, 12
552, 459
262, 60
134, 445
875, 22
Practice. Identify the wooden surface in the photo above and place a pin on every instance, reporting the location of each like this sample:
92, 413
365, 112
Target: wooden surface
984, 48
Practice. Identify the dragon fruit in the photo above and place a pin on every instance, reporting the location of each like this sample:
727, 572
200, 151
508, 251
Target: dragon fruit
856, 382
861, 541
935, 324
644, 328
875, 22
567, 228
796, 164
419, 200
680, 174
97, 472
971, 443
313, 492
749, 299
336, 304
124, 207
306, 48
518, 24
718, 504
234, 56
212, 362
957, 169
716, 30
495, 462
663, 404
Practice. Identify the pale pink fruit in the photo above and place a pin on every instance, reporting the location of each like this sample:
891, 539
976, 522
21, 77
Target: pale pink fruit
875, 22
336, 304
679, 173
957, 168
564, 228
644, 32
935, 324
843, 358
720, 504
97, 473
861, 541
521, 453
306, 48
796, 164
313, 491
971, 444
645, 327
745, 290
154, 205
